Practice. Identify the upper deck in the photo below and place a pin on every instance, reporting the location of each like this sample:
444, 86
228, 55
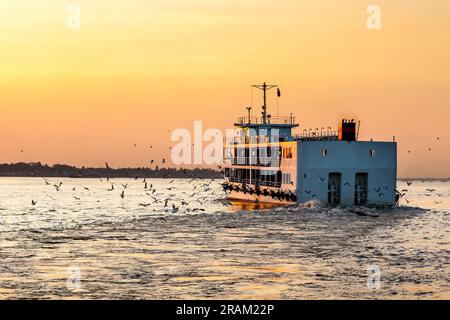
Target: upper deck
256, 122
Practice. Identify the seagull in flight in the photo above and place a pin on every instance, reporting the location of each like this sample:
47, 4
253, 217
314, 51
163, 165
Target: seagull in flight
144, 204
154, 199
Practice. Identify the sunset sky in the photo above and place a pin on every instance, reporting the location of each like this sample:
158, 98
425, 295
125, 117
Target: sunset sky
138, 69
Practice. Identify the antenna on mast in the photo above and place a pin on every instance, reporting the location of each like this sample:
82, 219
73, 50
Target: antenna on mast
264, 87
357, 132
249, 109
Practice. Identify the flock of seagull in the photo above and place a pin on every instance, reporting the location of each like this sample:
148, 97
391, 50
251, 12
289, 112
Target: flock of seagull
346, 184
150, 190
199, 194
400, 194
403, 193
172, 202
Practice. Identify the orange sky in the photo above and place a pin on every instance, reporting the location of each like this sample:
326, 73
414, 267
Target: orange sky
137, 69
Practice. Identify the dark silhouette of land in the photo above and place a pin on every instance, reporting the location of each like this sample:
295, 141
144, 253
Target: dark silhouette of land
37, 169
22, 169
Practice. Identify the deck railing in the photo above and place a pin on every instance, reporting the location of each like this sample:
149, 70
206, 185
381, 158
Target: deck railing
256, 183
257, 162
229, 141
317, 135
272, 120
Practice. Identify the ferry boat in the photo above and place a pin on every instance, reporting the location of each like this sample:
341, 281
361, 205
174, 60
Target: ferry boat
265, 161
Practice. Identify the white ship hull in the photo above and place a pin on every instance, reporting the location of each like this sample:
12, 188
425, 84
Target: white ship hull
254, 198
265, 162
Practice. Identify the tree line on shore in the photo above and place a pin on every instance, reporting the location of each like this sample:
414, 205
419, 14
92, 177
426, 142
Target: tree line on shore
37, 169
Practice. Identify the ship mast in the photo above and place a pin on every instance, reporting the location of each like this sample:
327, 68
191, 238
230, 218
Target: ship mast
264, 87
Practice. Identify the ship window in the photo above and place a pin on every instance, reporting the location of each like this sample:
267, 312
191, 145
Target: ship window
324, 152
372, 152
287, 153
286, 178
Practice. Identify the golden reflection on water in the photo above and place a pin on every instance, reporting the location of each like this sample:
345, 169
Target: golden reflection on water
241, 205
245, 250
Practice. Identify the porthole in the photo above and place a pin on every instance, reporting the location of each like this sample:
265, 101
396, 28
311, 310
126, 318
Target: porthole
324, 152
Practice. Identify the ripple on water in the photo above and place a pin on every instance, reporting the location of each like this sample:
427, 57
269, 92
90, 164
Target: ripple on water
230, 250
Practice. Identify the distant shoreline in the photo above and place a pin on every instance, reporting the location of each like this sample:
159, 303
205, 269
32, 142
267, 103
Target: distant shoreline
424, 179
22, 169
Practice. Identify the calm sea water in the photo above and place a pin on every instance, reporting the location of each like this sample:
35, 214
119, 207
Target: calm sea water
86, 242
